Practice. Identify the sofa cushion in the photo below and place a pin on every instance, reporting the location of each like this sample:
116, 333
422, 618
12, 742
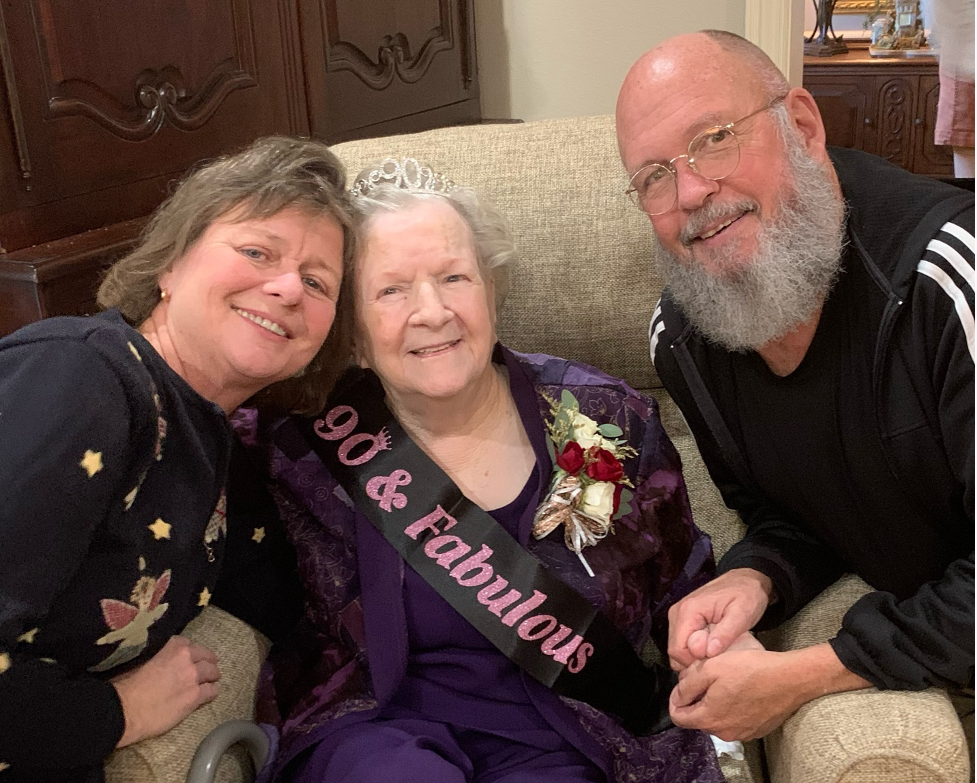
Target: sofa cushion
584, 287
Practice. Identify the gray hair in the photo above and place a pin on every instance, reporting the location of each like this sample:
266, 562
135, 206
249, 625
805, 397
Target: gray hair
273, 174
493, 244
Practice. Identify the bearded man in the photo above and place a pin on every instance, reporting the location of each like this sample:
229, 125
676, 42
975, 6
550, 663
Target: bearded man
817, 332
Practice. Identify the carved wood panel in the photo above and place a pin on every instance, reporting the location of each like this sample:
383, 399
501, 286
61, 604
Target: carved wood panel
373, 61
120, 97
133, 101
405, 54
899, 98
895, 120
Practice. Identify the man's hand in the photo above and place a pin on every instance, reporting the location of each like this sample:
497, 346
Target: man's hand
705, 623
169, 686
747, 693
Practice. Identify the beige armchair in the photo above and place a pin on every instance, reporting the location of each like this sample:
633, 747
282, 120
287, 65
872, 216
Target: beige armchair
585, 288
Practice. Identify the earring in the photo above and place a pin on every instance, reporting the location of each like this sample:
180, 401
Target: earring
162, 294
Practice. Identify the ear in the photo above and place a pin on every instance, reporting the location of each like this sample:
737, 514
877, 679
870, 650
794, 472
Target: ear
806, 117
165, 279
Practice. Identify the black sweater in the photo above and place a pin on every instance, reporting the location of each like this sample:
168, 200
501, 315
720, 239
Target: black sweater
862, 459
112, 534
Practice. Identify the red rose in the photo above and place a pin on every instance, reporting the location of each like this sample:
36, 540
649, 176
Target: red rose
571, 460
618, 489
605, 466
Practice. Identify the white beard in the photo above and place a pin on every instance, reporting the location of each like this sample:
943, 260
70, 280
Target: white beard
796, 263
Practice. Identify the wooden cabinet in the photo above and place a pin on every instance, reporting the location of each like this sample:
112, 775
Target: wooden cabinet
105, 103
881, 105
417, 54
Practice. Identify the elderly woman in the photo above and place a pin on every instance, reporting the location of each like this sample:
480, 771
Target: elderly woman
486, 538
115, 442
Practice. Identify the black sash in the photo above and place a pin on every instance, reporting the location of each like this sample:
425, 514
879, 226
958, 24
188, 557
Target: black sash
535, 619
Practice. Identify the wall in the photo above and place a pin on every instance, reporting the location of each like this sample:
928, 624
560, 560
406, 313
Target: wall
564, 58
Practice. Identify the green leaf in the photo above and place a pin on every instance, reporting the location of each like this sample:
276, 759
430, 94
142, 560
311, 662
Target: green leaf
625, 505
567, 400
551, 448
610, 430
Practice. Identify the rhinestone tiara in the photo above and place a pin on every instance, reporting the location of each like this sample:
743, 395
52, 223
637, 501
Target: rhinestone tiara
405, 173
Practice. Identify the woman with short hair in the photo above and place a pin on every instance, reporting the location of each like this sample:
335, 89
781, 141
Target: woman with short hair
115, 444
487, 538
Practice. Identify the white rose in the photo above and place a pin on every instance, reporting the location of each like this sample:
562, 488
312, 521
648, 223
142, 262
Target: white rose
585, 431
598, 500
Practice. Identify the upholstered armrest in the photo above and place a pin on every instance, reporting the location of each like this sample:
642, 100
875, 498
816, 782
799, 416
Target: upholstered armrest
166, 759
867, 736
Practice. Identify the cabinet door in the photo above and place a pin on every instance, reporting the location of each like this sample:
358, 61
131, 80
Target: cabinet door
894, 118
930, 158
385, 66
847, 108
107, 101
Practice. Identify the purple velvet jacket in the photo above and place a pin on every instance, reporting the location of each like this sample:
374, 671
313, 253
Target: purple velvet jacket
349, 654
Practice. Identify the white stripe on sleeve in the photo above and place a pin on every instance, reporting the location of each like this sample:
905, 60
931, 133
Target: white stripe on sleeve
957, 261
960, 233
959, 300
655, 328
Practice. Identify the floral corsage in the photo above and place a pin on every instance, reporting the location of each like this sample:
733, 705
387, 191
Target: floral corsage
589, 489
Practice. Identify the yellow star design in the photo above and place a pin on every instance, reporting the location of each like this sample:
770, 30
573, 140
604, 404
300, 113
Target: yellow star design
28, 637
160, 529
259, 535
92, 462
204, 597
5, 662
47, 660
4, 765
142, 563
134, 351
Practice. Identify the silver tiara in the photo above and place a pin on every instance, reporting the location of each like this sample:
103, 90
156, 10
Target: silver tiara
405, 173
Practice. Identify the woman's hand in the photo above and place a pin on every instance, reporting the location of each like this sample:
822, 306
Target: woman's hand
163, 691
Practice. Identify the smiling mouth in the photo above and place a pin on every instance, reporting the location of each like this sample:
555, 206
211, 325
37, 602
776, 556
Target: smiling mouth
717, 229
271, 326
702, 225
435, 349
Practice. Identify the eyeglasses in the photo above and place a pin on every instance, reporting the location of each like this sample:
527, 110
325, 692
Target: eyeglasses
714, 154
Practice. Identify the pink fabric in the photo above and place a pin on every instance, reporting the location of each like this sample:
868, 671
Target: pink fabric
955, 112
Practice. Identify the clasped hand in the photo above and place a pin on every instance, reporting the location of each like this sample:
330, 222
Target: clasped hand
729, 685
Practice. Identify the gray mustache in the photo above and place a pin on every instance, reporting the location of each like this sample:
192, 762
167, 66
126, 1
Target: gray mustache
713, 213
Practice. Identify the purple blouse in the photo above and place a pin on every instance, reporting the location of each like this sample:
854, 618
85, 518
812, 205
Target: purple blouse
454, 674
378, 639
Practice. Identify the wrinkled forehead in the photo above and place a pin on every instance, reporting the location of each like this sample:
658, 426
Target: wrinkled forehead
432, 217
403, 236
681, 87
664, 110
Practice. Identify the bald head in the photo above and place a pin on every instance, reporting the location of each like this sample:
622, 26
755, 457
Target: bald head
714, 62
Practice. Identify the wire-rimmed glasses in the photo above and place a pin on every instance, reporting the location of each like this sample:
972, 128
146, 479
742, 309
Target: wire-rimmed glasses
714, 153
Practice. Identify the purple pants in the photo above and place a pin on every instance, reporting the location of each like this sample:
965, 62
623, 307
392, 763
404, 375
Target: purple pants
408, 750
